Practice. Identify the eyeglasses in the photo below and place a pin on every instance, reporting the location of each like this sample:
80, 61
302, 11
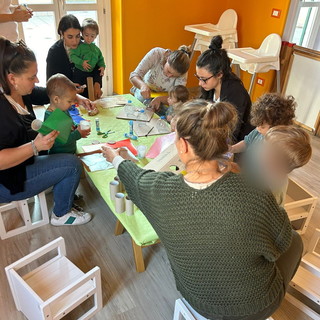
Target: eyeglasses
204, 80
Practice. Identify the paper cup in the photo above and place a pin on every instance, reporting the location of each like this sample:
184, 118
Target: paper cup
121, 186
129, 206
114, 189
142, 150
84, 125
120, 206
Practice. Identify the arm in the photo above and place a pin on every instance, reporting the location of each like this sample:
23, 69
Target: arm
11, 157
17, 15
75, 56
238, 147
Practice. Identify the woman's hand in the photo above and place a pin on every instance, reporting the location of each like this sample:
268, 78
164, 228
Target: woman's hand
110, 153
102, 69
79, 88
46, 142
145, 91
85, 65
20, 15
88, 105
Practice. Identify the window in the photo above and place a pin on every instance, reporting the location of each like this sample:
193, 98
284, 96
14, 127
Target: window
303, 23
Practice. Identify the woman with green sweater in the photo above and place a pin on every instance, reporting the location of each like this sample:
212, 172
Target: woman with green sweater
231, 247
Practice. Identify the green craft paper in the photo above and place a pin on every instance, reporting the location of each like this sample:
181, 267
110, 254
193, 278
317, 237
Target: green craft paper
59, 121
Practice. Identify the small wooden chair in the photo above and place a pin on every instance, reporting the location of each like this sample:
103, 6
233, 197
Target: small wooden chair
307, 278
56, 287
23, 209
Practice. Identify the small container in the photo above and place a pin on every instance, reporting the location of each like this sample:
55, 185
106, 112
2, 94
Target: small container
119, 203
114, 189
129, 206
97, 124
129, 108
84, 125
142, 150
162, 125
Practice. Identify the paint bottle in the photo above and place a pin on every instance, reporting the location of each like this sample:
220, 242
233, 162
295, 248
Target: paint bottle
97, 124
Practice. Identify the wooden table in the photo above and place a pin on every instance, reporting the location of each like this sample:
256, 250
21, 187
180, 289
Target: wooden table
141, 232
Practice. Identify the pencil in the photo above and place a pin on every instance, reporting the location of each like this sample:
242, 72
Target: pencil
149, 131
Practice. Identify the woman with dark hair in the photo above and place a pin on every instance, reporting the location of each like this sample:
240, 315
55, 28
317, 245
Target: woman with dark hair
159, 71
231, 248
58, 60
23, 172
219, 83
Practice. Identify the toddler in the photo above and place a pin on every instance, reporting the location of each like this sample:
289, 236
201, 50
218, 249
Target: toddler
178, 95
62, 94
268, 111
87, 56
285, 148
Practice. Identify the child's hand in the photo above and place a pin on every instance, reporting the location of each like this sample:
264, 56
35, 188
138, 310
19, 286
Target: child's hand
102, 71
85, 65
84, 133
169, 118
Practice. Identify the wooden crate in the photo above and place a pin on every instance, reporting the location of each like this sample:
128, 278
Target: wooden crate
299, 205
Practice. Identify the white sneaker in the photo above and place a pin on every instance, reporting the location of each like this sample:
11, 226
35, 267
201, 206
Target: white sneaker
72, 218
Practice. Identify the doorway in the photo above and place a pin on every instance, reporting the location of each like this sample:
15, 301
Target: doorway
40, 32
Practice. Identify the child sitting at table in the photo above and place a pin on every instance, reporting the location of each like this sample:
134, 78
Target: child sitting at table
62, 94
178, 95
87, 55
268, 111
285, 148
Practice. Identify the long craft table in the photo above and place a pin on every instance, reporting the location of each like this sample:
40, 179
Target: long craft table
141, 232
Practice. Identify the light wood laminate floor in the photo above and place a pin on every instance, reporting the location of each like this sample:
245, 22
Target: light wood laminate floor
126, 293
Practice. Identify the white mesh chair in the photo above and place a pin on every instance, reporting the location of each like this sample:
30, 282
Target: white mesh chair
23, 209
183, 311
56, 287
258, 60
307, 279
226, 27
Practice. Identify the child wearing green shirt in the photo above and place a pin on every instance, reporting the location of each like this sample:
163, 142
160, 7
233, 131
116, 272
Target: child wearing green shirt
87, 55
62, 94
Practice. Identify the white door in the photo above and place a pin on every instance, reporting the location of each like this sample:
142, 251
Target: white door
40, 32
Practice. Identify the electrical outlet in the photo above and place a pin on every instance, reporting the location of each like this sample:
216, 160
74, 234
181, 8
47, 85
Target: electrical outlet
260, 81
276, 13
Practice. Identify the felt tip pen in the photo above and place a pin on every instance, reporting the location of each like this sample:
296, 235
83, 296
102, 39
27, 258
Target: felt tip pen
149, 131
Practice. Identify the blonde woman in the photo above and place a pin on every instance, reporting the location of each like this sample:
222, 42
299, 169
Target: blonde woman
231, 247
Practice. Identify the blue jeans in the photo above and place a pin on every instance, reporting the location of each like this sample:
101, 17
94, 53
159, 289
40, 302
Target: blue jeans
62, 171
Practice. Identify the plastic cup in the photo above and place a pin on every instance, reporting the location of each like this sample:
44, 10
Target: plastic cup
142, 150
84, 125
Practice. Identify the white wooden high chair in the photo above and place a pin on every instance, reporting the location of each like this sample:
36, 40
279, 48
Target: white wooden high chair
307, 278
23, 209
226, 27
183, 311
56, 287
258, 60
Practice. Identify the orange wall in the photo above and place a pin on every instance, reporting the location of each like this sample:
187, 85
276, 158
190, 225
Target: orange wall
148, 24
140, 25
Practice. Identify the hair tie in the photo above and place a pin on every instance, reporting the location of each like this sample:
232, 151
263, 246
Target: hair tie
185, 51
214, 50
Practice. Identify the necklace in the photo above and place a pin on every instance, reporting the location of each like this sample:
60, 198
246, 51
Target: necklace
16, 105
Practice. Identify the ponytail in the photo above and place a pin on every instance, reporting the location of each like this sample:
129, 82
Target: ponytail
207, 127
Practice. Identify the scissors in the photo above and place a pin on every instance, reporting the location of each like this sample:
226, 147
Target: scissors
106, 134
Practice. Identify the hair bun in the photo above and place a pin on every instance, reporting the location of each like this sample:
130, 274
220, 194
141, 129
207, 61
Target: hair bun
216, 43
185, 49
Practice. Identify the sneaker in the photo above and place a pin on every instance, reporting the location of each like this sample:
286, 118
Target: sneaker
72, 218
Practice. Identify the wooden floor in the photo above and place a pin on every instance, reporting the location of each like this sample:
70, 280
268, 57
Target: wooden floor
127, 294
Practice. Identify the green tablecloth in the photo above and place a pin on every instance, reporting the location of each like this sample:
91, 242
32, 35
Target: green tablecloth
137, 225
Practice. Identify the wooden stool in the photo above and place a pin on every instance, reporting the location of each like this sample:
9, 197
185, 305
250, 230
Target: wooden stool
23, 208
183, 310
54, 288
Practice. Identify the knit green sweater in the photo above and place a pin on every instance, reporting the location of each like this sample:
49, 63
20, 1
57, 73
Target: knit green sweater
222, 241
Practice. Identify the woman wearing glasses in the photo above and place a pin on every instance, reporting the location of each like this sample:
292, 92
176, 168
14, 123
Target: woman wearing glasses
159, 71
218, 83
